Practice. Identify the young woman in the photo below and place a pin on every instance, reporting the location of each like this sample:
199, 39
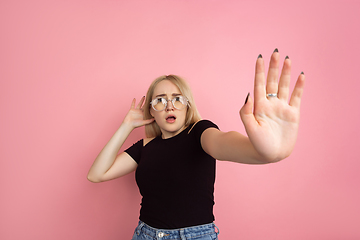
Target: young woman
175, 164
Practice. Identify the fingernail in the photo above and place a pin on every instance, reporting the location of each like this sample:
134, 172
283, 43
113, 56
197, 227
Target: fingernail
276, 50
302, 73
287, 57
247, 97
260, 56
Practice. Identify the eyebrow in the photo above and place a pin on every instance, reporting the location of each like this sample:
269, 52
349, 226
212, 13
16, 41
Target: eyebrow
164, 95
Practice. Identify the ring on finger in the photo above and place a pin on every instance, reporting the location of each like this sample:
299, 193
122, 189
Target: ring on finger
271, 95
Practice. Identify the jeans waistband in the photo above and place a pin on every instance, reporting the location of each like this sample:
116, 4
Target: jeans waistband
181, 233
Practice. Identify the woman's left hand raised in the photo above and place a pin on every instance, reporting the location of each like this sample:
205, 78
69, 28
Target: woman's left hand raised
272, 121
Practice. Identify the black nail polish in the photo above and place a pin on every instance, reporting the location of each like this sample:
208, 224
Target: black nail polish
260, 56
287, 57
302, 73
247, 97
276, 50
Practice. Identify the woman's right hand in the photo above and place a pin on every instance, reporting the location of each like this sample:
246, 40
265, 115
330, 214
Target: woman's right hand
135, 117
108, 164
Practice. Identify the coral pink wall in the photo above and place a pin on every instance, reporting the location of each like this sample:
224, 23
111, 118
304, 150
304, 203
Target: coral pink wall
69, 70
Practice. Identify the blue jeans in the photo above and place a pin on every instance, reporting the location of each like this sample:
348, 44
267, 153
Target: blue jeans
201, 232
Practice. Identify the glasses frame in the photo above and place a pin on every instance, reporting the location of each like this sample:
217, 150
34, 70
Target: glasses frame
172, 101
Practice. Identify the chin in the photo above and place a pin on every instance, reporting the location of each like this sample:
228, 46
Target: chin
172, 127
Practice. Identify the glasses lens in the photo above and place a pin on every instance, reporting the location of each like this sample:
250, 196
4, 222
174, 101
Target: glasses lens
179, 102
159, 104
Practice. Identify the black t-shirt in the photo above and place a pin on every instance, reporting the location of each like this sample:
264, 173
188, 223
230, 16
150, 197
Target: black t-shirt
176, 179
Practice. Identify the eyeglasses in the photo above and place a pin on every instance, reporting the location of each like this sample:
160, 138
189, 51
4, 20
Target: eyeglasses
160, 103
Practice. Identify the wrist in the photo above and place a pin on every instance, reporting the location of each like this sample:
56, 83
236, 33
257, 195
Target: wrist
127, 126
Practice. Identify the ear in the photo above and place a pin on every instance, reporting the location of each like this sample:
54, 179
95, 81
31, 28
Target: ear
151, 112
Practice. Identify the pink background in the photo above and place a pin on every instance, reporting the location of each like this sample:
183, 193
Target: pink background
69, 70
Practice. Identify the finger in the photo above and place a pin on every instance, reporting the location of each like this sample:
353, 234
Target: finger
284, 82
247, 116
141, 102
259, 83
298, 91
148, 121
273, 73
133, 103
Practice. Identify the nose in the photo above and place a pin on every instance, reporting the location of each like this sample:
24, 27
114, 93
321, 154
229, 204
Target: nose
169, 105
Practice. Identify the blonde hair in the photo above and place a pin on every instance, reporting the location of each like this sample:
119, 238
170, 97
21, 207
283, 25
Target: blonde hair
192, 114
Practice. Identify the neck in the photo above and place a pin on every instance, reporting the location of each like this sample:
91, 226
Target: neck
165, 134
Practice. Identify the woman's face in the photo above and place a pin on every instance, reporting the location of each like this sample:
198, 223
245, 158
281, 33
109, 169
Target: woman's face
171, 120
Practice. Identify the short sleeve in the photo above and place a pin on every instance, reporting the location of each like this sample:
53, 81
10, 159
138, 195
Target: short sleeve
135, 150
201, 126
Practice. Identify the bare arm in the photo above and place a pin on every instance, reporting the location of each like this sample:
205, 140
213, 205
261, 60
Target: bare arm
230, 146
107, 164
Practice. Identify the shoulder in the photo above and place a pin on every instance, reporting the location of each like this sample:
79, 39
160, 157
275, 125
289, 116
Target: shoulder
147, 140
202, 125
136, 149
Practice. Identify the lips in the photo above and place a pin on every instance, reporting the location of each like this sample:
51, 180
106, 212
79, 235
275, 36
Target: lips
170, 119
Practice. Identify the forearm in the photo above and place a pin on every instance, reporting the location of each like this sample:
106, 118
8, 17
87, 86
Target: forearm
232, 146
107, 156
238, 148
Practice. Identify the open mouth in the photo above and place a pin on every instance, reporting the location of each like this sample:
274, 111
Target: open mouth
171, 118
